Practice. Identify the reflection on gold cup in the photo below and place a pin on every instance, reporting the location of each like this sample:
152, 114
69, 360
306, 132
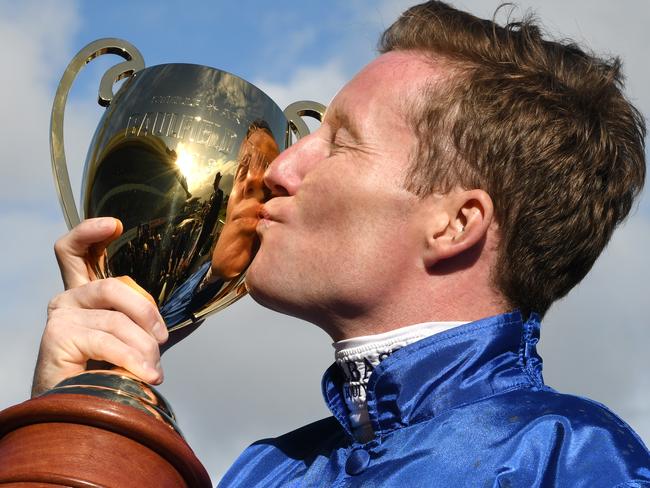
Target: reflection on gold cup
178, 157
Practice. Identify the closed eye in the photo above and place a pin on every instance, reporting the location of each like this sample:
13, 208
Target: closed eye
342, 140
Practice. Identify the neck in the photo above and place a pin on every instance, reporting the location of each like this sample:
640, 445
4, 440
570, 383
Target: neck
456, 289
410, 310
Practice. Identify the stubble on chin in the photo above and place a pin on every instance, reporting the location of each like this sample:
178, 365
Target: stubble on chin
262, 288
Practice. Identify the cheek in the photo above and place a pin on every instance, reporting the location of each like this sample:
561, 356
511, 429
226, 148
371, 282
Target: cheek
359, 229
330, 199
233, 200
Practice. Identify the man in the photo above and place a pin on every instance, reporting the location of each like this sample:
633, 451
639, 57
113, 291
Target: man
459, 184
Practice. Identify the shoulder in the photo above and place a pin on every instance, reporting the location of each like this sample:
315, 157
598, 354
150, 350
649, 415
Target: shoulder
531, 437
304, 441
579, 413
286, 458
576, 436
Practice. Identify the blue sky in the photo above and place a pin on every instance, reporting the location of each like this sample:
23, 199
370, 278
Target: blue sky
249, 373
247, 36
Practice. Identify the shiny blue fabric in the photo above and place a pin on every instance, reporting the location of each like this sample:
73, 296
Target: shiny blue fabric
464, 408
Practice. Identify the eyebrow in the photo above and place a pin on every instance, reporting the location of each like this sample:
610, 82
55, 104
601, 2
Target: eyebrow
343, 119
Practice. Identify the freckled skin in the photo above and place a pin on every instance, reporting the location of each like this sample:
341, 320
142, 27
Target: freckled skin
345, 245
340, 240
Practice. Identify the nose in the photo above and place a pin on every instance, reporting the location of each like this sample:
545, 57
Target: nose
254, 186
285, 174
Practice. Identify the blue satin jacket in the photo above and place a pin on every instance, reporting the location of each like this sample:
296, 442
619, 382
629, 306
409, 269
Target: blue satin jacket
464, 408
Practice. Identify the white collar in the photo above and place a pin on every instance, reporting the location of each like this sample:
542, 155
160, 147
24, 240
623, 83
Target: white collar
410, 333
359, 356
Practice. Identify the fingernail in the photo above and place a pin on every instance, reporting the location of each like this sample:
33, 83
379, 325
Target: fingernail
160, 332
155, 372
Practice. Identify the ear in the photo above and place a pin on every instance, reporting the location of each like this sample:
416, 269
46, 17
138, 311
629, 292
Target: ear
467, 217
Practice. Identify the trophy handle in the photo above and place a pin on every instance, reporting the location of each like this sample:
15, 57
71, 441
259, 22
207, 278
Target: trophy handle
296, 111
134, 62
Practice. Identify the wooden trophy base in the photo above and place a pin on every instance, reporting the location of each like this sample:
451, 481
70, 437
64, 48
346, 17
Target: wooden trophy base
82, 441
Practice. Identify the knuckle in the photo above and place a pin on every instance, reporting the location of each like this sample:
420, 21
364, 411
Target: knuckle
54, 305
150, 348
55, 336
117, 320
60, 246
131, 360
52, 328
109, 286
55, 315
58, 319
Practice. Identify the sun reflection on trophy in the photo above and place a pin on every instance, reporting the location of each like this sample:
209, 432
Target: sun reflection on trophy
178, 157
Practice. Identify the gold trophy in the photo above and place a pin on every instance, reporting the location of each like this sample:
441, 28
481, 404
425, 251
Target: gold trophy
178, 157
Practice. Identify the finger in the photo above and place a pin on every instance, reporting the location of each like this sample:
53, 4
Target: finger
74, 250
127, 280
114, 294
122, 328
102, 346
97, 253
73, 337
97, 250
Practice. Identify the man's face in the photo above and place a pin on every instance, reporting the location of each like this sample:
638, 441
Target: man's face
342, 233
238, 238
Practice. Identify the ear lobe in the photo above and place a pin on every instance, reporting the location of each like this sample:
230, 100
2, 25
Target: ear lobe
469, 217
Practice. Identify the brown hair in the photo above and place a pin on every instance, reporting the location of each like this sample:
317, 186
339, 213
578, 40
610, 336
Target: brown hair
540, 125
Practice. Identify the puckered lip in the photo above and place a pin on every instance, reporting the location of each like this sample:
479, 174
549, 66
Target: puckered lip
273, 210
269, 214
246, 210
263, 213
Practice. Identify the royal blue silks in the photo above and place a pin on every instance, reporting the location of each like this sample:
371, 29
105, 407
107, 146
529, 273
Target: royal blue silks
464, 408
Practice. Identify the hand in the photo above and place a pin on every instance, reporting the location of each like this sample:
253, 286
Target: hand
109, 319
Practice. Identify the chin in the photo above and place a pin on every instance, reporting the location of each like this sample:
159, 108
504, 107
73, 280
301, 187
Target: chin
264, 289
255, 283
262, 296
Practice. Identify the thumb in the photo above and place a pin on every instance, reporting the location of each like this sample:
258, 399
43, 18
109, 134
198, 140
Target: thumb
81, 249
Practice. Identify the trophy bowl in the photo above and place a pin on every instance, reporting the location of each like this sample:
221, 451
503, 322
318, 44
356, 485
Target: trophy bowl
179, 158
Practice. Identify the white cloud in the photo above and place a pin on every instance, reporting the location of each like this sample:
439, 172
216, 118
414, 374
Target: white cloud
34, 43
318, 83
